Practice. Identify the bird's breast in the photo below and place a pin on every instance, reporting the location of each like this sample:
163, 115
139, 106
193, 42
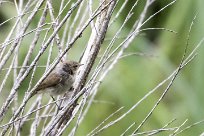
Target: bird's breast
64, 86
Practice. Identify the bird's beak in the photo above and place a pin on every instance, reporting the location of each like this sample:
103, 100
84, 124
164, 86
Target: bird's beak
80, 65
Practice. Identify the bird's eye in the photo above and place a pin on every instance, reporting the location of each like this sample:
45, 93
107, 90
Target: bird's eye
75, 66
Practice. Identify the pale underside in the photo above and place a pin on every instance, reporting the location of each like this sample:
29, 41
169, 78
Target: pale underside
56, 84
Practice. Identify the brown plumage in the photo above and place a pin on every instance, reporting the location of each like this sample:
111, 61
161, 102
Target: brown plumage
60, 79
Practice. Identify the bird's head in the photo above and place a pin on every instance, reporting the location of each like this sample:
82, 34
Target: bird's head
71, 66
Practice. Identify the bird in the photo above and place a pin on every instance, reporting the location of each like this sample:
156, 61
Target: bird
60, 80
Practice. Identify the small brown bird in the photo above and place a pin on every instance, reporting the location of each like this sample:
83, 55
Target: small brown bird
60, 80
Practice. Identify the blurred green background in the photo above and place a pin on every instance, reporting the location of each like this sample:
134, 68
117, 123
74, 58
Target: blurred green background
134, 76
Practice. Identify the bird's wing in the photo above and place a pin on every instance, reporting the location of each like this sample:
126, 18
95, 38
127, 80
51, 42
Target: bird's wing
52, 80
